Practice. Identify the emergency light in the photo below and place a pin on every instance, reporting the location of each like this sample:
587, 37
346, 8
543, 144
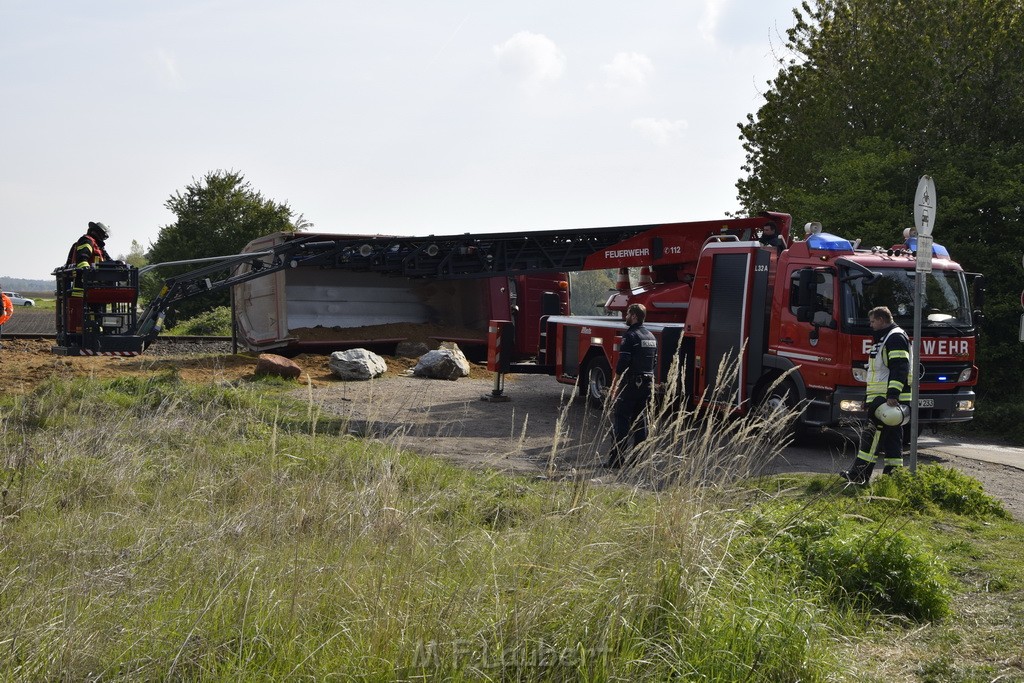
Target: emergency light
828, 242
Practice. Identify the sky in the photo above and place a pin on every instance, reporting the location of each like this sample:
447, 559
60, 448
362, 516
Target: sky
393, 116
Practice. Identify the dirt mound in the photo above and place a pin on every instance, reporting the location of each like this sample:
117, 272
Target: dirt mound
26, 363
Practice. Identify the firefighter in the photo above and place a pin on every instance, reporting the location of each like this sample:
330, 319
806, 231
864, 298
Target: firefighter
888, 396
8, 311
770, 237
638, 356
89, 250
90, 247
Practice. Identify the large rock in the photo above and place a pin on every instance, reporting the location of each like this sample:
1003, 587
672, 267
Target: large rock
273, 364
357, 364
447, 362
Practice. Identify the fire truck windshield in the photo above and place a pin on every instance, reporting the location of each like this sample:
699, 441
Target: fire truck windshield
945, 303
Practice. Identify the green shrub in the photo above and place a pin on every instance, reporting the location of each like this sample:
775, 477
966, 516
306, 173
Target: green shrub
934, 487
215, 322
878, 570
863, 567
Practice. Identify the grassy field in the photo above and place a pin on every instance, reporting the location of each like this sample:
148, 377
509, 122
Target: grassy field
152, 529
47, 303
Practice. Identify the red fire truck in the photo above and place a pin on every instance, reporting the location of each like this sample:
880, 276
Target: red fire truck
714, 292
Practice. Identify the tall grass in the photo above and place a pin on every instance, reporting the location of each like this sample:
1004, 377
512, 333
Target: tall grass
152, 529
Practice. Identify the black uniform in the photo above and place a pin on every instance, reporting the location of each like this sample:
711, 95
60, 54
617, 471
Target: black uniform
772, 241
638, 357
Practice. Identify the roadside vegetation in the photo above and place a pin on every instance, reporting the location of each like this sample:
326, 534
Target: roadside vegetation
155, 529
213, 323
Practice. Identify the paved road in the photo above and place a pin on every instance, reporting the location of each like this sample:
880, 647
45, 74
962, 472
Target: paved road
831, 455
1009, 456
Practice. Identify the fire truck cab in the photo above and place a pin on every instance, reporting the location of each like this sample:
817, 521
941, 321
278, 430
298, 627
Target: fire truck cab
791, 325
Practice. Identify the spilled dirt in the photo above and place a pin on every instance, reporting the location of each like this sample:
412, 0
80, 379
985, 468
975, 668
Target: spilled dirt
26, 363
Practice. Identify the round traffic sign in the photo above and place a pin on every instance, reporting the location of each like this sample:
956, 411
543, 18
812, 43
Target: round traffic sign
924, 206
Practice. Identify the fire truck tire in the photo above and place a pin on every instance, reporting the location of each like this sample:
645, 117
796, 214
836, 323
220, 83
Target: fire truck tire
782, 396
597, 380
779, 396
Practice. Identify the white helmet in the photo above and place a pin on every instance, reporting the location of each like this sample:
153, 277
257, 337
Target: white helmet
893, 415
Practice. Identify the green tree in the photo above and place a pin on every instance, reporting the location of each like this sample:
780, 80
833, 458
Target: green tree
872, 94
215, 216
136, 256
925, 75
590, 290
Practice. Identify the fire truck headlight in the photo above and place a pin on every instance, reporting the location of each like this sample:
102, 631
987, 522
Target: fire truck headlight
964, 406
851, 406
965, 375
860, 374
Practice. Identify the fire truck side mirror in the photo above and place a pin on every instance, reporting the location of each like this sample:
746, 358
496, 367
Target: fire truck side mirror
807, 287
978, 290
805, 314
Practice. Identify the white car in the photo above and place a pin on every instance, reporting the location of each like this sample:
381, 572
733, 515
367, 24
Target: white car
19, 300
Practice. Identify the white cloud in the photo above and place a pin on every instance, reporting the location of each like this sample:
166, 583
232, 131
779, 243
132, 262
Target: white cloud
708, 24
627, 71
659, 131
531, 58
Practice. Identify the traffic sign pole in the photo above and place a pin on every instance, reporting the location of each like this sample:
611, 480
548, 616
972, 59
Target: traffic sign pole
924, 222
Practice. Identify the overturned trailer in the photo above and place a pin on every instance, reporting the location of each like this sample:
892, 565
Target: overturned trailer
318, 308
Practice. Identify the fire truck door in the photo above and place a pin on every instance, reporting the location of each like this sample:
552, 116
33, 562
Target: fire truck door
812, 344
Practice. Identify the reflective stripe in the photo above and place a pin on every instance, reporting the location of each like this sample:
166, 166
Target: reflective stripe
869, 457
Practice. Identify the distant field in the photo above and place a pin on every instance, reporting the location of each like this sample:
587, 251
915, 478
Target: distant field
43, 302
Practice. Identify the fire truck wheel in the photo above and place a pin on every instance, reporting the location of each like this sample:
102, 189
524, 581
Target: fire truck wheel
782, 396
597, 379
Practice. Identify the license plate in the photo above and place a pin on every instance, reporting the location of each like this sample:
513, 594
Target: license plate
926, 403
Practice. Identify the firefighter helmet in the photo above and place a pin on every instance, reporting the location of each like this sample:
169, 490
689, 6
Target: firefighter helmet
98, 230
893, 415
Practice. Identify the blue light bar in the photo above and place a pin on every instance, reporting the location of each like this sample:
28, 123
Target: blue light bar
938, 251
828, 242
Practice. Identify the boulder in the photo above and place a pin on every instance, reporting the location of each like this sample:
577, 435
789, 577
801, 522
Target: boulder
411, 349
447, 362
357, 364
279, 366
